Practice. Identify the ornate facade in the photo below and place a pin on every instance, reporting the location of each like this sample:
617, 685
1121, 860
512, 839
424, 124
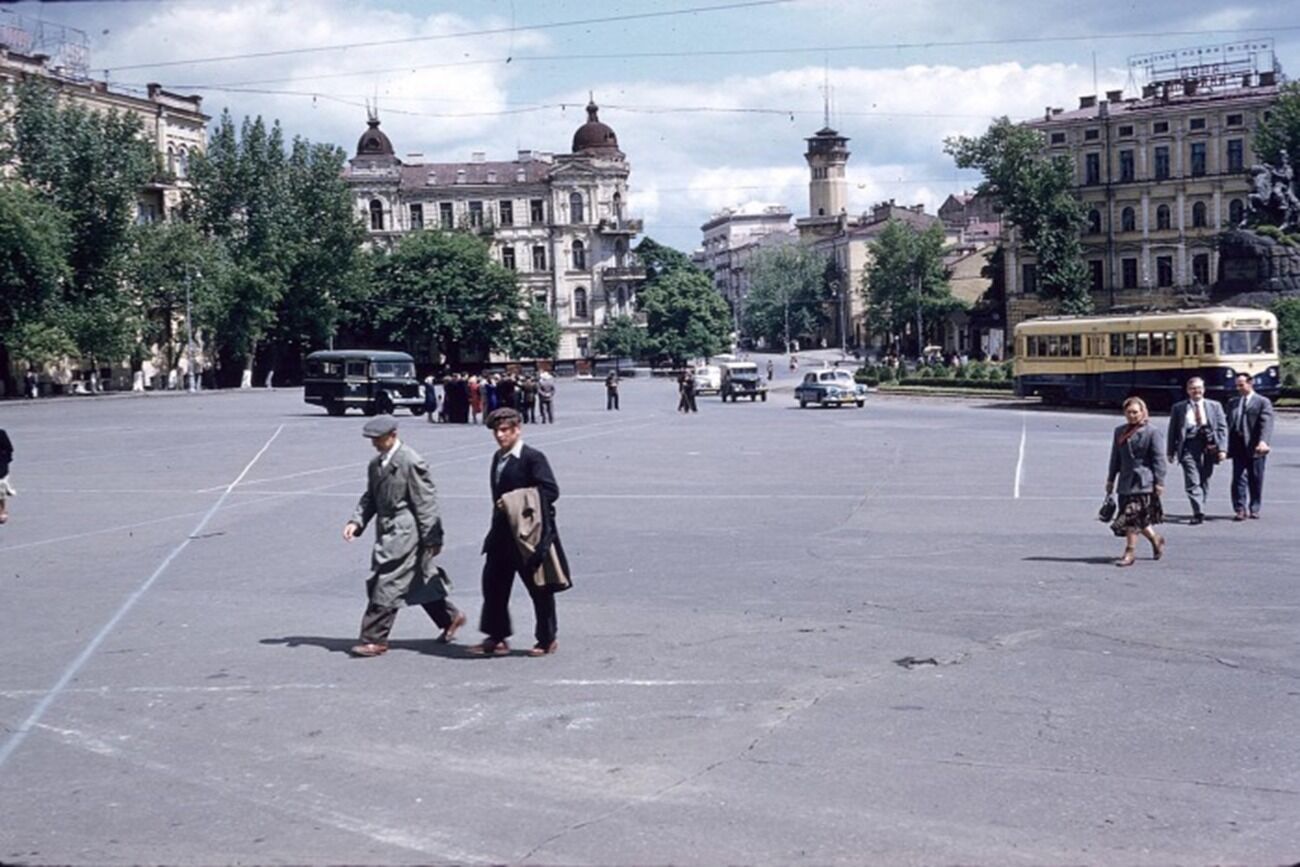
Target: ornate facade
560, 221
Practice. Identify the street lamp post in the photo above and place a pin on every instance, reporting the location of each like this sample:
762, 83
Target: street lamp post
192, 380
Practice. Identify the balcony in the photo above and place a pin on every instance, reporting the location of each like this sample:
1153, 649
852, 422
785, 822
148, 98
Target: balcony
622, 226
625, 273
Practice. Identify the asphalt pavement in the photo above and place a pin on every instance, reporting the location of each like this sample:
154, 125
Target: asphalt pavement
889, 635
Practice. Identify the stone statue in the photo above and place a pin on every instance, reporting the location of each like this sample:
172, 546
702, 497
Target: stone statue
1272, 195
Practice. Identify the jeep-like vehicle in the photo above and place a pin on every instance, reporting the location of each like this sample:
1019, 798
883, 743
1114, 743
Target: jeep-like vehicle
372, 381
741, 379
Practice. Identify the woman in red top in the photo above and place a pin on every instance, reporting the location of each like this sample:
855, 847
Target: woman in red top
475, 400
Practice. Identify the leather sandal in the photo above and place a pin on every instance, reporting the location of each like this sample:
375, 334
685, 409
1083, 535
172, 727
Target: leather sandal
1158, 548
488, 647
452, 628
1127, 560
540, 649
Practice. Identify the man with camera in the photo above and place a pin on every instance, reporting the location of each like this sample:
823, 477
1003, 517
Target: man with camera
1197, 440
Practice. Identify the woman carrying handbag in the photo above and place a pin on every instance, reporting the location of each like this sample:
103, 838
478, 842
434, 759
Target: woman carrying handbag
1137, 463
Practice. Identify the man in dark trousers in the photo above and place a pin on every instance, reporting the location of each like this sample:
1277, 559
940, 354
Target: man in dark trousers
6, 490
1250, 427
1197, 440
611, 390
515, 466
408, 535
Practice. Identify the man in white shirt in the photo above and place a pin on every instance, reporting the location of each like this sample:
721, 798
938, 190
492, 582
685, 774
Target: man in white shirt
1250, 426
1197, 440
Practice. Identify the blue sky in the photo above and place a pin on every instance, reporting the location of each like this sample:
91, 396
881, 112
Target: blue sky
702, 131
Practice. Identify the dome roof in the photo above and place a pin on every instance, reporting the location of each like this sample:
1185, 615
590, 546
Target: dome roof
594, 137
373, 142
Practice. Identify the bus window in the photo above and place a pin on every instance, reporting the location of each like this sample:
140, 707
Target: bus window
1053, 346
1245, 342
1116, 345
357, 369
1207, 343
1076, 345
1144, 344
1171, 343
1130, 344
393, 369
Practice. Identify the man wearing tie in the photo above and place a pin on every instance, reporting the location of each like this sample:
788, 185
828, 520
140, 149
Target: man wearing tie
515, 466
1197, 440
1250, 427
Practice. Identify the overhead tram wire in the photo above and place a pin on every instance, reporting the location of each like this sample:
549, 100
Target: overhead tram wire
707, 52
490, 31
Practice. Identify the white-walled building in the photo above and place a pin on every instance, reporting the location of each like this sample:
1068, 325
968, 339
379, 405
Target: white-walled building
560, 221
732, 237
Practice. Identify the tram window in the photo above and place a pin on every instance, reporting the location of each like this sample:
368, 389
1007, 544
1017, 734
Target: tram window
1207, 343
1053, 347
1157, 344
1144, 344
1130, 344
1076, 345
1245, 342
1116, 344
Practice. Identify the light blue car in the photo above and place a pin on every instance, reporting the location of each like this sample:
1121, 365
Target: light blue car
830, 388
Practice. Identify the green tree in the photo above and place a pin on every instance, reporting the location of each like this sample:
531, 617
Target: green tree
441, 293
906, 282
685, 316
33, 269
620, 337
788, 296
660, 259
1288, 325
1036, 194
537, 334
1278, 136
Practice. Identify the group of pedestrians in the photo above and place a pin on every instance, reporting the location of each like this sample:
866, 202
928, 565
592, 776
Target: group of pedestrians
522, 539
1200, 436
467, 398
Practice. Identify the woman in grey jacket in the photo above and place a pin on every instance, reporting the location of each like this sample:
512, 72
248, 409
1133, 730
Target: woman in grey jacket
1137, 462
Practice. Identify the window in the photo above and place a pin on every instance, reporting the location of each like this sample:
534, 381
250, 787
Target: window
1096, 270
1126, 167
1201, 269
1198, 215
1058, 138
1162, 217
1164, 270
584, 345
1233, 120
539, 257
476, 214
376, 215
1094, 222
1198, 159
575, 207
1092, 169
1126, 131
580, 303
171, 159
536, 212
446, 218
357, 369
1029, 278
1245, 342
508, 257
622, 296
491, 176
1162, 163
1236, 155
506, 209
1196, 123
1128, 220
579, 256
1236, 212
1129, 273
617, 204
1091, 134
182, 163
1160, 127
417, 216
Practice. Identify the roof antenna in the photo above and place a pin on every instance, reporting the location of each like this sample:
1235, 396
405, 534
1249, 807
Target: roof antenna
826, 94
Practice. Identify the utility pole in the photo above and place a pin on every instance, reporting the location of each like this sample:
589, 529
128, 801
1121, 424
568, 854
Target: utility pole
920, 344
189, 339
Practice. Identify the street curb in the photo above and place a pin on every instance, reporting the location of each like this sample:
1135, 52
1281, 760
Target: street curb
126, 395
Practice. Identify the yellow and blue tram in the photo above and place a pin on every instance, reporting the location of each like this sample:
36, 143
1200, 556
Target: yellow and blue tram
1110, 357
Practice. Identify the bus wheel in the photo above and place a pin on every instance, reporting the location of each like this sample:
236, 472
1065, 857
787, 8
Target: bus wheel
383, 403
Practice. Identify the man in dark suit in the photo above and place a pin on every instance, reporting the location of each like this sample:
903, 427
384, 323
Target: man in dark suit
515, 466
1250, 427
1197, 440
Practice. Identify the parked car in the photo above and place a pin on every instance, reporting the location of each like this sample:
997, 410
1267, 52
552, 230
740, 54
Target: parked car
741, 379
830, 388
708, 377
372, 381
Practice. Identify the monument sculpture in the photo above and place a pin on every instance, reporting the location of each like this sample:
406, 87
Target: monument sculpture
1259, 259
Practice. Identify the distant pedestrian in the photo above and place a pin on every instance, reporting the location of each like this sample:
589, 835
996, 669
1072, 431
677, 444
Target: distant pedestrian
771, 368
6, 489
1250, 427
1197, 440
1137, 464
431, 398
515, 468
611, 390
408, 535
270, 379
506, 389
546, 398
528, 400
490, 400
794, 363
475, 387
31, 385
686, 392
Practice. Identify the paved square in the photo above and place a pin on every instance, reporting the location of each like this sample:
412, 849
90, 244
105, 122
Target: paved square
176, 690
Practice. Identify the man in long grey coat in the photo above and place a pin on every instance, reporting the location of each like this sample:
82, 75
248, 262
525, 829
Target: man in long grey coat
408, 535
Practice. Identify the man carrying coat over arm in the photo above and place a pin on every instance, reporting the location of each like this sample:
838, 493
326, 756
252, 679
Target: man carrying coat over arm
516, 466
408, 535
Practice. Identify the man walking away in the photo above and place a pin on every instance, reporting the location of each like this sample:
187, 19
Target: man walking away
611, 390
408, 535
1196, 441
6, 489
528, 393
546, 398
1250, 427
515, 466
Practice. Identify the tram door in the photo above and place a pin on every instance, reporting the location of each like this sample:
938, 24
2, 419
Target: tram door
1094, 365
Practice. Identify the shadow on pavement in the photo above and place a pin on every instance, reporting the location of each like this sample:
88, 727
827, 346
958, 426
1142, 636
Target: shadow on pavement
1092, 561
427, 647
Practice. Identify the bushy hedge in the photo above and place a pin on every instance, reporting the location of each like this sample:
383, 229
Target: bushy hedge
974, 374
953, 382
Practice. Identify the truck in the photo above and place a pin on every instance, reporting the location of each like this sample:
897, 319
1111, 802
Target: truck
741, 379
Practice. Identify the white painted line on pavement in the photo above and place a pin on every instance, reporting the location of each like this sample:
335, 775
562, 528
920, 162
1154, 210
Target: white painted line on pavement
19, 735
1020, 461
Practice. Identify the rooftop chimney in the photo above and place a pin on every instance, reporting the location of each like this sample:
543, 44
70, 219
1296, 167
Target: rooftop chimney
1057, 111
478, 156
1267, 79
1088, 101
1148, 91
1114, 95
525, 156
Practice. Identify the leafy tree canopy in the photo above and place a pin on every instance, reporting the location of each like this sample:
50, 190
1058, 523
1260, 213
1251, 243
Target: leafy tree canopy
685, 316
621, 337
907, 278
1279, 135
789, 294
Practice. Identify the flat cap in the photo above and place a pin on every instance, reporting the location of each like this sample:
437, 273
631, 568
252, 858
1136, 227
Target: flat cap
503, 416
379, 426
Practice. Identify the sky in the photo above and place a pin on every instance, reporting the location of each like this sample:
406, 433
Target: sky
711, 99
